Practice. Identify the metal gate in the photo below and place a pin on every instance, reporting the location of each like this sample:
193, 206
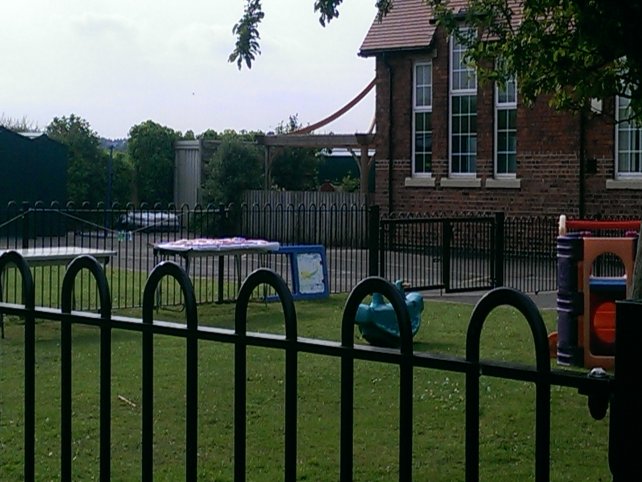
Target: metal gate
453, 254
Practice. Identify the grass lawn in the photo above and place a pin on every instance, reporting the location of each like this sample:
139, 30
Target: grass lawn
126, 287
578, 443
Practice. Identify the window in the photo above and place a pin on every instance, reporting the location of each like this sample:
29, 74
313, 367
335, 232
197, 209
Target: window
463, 111
422, 119
628, 143
505, 128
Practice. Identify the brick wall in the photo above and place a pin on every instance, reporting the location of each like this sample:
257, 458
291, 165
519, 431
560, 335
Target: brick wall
548, 155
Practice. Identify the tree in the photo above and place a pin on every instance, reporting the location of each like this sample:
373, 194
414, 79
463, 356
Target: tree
123, 176
151, 151
209, 135
294, 168
350, 184
573, 50
236, 166
188, 136
86, 172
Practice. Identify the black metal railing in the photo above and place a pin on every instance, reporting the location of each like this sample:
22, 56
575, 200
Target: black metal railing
455, 254
430, 251
530, 256
621, 392
467, 253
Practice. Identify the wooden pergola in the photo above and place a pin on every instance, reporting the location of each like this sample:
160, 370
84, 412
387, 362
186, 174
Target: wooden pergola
363, 142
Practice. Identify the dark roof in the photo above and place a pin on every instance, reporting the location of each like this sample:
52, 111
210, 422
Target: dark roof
408, 26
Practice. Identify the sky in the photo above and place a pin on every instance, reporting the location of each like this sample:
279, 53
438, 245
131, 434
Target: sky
117, 63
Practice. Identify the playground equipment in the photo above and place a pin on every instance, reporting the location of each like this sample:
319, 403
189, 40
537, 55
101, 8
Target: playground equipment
586, 301
377, 321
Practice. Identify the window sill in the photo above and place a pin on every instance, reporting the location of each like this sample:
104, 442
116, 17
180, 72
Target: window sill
460, 182
634, 184
419, 182
508, 183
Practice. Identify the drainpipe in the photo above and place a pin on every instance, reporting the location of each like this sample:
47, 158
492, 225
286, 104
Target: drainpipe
582, 160
390, 142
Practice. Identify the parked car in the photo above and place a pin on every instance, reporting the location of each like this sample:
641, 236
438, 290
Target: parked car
149, 221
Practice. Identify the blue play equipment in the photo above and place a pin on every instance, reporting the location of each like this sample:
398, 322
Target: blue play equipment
377, 321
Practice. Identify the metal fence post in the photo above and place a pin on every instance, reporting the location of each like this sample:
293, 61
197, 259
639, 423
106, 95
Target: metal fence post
373, 241
445, 254
234, 216
25, 225
498, 251
625, 431
218, 215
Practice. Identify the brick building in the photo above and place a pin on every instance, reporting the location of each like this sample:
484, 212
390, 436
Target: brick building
460, 145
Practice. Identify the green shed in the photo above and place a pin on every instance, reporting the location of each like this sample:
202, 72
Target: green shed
34, 168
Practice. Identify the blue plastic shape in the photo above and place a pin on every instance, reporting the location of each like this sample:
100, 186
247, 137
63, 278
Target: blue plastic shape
377, 321
607, 284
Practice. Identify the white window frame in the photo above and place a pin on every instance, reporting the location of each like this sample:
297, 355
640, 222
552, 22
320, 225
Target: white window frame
420, 109
469, 90
635, 133
501, 106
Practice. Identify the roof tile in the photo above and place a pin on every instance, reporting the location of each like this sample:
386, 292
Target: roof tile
408, 26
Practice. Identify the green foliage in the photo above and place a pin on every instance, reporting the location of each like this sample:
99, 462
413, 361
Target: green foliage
572, 50
294, 168
209, 135
151, 150
243, 135
327, 9
123, 175
246, 29
235, 167
86, 174
349, 184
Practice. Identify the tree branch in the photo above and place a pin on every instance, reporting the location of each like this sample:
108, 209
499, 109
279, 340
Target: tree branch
247, 35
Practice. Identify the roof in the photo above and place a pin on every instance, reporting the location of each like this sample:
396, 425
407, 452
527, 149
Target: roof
408, 26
